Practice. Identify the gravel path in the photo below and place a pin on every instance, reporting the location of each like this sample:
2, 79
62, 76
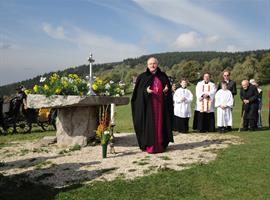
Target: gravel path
61, 167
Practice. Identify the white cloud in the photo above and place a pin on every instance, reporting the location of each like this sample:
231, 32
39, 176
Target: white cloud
212, 39
193, 40
188, 40
57, 33
232, 48
208, 30
70, 48
185, 12
105, 48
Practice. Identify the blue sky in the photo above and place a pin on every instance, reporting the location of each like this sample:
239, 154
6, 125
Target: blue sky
38, 36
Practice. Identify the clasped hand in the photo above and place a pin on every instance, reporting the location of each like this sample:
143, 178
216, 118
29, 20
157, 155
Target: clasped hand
246, 101
149, 91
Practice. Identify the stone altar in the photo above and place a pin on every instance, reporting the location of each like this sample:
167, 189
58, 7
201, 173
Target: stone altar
77, 117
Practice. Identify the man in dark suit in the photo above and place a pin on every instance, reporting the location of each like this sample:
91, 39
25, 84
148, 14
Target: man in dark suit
231, 83
231, 86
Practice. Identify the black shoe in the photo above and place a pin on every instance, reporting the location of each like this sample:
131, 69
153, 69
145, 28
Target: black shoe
201, 131
229, 128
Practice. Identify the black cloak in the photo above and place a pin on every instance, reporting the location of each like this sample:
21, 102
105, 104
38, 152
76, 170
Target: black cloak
251, 109
142, 112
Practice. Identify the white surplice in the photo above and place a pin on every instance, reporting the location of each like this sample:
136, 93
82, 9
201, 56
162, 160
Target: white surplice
182, 100
207, 104
224, 116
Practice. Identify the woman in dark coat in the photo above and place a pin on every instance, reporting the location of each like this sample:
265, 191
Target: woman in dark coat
152, 109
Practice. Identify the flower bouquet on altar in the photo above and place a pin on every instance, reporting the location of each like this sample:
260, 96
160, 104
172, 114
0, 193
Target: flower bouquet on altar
68, 84
109, 87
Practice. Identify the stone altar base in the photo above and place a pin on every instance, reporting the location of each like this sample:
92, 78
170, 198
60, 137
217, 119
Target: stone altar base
75, 125
77, 117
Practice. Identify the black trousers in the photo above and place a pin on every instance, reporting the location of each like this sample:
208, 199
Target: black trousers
181, 124
206, 122
195, 120
250, 124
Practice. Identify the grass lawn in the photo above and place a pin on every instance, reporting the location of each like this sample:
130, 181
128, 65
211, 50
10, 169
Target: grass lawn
240, 172
4, 140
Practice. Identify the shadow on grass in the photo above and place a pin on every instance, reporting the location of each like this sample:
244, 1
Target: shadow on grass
126, 140
25, 163
257, 130
46, 183
19, 187
193, 145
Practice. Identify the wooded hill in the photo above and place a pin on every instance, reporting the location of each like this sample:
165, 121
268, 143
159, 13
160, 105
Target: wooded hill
191, 65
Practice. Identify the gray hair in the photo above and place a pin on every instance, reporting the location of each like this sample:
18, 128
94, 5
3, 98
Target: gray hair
156, 60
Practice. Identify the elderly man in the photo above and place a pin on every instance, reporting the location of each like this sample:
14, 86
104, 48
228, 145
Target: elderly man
152, 109
249, 97
204, 116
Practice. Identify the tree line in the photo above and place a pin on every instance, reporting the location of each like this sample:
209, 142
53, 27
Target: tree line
190, 65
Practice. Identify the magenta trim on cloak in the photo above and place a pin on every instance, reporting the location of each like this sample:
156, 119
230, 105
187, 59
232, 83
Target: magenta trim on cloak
157, 106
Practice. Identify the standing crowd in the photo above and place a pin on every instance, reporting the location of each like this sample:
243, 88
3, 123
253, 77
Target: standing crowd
158, 107
209, 98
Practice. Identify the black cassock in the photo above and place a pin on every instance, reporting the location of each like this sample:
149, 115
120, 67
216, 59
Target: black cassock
142, 112
250, 110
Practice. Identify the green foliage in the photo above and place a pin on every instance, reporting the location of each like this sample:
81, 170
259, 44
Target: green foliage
215, 67
214, 62
186, 69
265, 68
247, 70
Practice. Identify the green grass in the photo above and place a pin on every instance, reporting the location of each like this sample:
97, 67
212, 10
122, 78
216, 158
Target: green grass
5, 140
240, 172
164, 158
124, 119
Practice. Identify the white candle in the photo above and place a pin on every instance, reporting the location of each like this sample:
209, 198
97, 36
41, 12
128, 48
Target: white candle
112, 114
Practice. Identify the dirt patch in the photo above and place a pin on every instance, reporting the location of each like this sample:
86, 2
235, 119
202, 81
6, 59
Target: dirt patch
61, 167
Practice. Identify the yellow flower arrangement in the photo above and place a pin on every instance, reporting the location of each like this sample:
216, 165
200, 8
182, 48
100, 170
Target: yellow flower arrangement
94, 87
66, 85
54, 78
46, 87
58, 91
108, 88
27, 92
35, 88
